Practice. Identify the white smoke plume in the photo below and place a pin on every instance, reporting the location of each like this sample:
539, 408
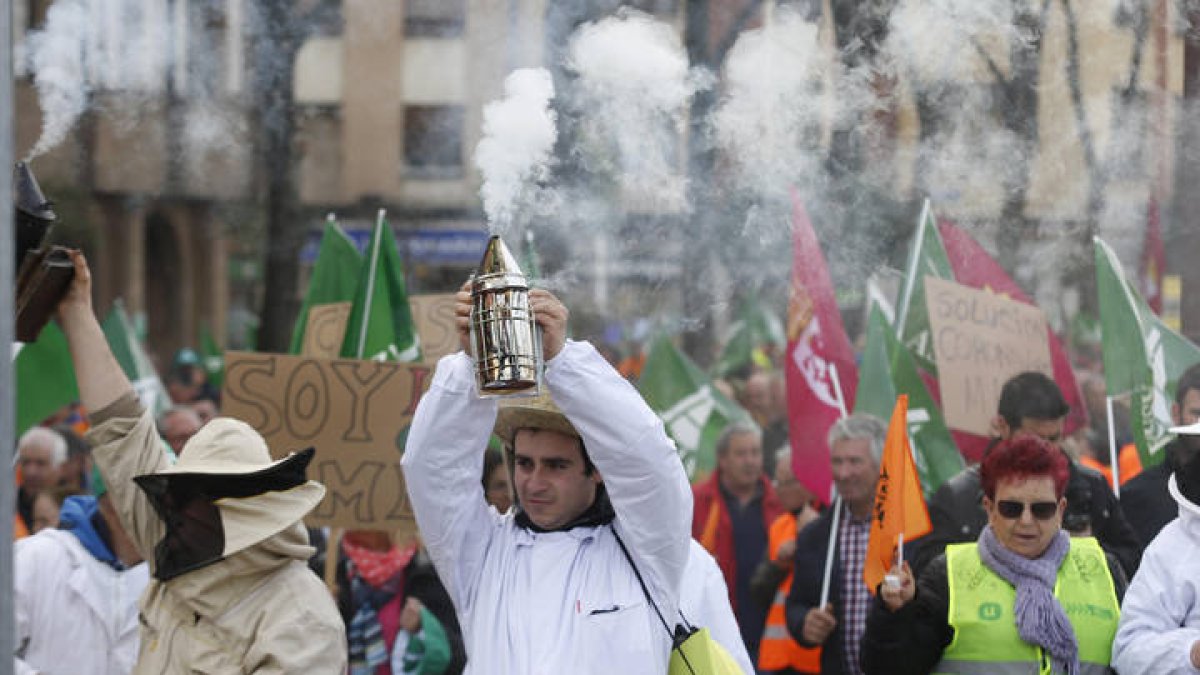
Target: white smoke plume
769, 121
632, 92
57, 59
515, 153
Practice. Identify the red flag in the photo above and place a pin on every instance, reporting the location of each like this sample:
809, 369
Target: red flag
975, 268
1154, 260
817, 348
899, 505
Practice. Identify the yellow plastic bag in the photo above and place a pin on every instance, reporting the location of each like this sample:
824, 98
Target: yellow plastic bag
700, 654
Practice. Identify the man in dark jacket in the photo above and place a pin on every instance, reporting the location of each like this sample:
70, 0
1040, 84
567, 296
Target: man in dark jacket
856, 447
1031, 403
1144, 498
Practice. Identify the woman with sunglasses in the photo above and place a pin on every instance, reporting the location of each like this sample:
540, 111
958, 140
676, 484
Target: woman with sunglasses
1024, 598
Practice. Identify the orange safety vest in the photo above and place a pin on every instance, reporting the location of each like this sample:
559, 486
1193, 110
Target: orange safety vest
778, 650
1130, 464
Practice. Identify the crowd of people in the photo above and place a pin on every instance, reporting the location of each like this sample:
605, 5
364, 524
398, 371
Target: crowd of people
176, 544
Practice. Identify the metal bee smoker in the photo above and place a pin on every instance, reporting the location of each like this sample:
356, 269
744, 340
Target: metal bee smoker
505, 341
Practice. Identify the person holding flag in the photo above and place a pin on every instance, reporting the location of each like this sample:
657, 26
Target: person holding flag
899, 514
832, 612
1000, 604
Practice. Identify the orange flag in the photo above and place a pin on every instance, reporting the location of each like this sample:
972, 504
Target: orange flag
899, 504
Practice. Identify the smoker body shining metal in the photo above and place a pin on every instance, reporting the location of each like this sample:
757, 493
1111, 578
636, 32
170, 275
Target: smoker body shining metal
505, 341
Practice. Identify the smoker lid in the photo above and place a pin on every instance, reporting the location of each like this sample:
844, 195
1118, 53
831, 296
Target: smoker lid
498, 269
28, 197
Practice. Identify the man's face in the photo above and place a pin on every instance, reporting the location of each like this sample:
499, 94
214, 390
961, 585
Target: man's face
1050, 431
792, 493
38, 470
1183, 415
855, 471
1025, 534
741, 464
178, 427
550, 479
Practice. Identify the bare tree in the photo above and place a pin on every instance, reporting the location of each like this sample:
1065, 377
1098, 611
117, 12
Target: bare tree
280, 28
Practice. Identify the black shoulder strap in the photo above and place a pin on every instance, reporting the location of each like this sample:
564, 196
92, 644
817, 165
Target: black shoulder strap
638, 574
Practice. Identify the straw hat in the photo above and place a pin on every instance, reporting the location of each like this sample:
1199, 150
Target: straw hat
538, 412
228, 462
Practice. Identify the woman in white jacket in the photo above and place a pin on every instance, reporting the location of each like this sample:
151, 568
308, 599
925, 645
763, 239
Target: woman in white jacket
1159, 632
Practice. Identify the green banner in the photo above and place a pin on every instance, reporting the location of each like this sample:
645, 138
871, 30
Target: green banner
381, 326
692, 409
1143, 358
888, 369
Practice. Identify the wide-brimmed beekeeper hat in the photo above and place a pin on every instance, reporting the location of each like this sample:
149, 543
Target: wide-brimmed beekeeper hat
227, 464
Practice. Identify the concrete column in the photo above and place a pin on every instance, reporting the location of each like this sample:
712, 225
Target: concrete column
373, 43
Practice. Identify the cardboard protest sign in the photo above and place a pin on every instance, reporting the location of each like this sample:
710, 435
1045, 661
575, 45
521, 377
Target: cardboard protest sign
980, 340
325, 330
355, 413
434, 315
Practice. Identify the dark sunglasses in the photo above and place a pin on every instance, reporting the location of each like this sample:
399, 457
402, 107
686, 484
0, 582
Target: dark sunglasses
1013, 510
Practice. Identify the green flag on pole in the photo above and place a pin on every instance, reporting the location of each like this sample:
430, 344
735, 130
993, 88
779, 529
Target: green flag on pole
45, 377
888, 369
335, 277
1143, 358
756, 327
926, 257
381, 326
122, 339
692, 409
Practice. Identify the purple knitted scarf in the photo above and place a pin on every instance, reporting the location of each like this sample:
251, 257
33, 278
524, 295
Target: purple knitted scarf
1040, 618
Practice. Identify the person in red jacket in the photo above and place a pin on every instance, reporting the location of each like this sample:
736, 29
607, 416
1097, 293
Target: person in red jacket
733, 512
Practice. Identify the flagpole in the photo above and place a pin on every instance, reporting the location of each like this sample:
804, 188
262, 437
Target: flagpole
1114, 459
374, 267
911, 273
837, 499
837, 520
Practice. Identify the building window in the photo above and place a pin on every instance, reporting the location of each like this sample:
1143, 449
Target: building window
433, 138
435, 18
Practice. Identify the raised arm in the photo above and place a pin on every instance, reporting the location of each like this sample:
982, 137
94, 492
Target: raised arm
629, 446
123, 436
101, 380
443, 465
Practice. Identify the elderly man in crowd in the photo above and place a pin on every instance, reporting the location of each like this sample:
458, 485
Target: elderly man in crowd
41, 453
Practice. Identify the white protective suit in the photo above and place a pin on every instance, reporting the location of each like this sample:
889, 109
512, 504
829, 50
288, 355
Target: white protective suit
553, 602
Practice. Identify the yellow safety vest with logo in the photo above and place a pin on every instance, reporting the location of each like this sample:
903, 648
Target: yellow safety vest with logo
986, 641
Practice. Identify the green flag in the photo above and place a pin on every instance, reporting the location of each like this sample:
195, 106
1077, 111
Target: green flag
381, 325
693, 410
926, 257
122, 339
335, 277
888, 370
212, 357
45, 377
756, 327
1143, 358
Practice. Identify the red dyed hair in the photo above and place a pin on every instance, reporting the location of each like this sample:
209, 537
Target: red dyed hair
1020, 457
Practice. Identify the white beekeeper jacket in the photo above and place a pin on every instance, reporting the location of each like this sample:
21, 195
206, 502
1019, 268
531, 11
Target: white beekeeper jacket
555, 602
1160, 617
74, 614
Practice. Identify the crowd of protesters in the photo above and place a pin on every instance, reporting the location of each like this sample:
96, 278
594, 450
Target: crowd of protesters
175, 543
